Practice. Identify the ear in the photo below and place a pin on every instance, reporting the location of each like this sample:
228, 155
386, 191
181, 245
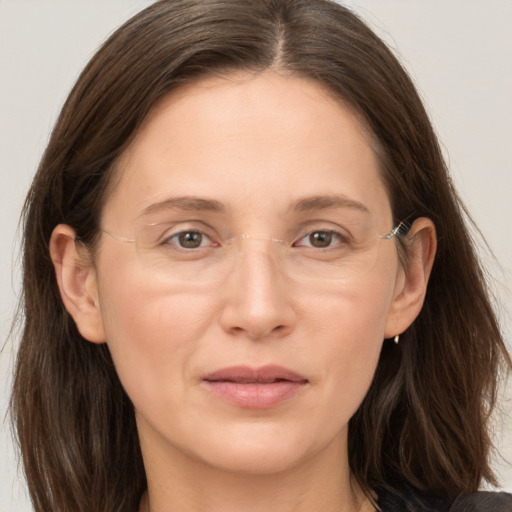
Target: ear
77, 281
411, 288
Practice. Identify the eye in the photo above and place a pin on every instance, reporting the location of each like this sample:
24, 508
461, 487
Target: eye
190, 240
320, 239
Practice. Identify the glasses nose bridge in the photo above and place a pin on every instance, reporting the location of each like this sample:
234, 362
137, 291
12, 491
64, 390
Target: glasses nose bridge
254, 243
260, 237
258, 300
260, 251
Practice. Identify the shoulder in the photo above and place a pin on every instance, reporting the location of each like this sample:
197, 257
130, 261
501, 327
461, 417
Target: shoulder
398, 500
483, 502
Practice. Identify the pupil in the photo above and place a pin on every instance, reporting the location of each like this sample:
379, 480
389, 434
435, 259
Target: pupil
320, 239
190, 240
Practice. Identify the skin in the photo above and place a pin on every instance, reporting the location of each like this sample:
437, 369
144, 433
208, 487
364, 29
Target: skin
257, 145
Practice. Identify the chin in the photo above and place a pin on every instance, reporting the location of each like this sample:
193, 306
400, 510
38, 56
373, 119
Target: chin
262, 449
255, 460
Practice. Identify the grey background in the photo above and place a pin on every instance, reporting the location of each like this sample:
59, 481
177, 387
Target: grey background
459, 52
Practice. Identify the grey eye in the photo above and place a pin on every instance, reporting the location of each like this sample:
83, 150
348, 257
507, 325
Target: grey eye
189, 239
320, 239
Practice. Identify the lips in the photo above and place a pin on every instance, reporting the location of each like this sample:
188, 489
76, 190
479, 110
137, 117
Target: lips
255, 388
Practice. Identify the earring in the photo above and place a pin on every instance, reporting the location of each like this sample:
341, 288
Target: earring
397, 337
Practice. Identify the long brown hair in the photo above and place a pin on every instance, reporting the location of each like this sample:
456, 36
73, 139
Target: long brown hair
424, 421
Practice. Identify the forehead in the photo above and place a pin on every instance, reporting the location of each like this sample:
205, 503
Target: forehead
246, 140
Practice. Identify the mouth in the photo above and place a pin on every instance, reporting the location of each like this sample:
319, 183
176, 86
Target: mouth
255, 388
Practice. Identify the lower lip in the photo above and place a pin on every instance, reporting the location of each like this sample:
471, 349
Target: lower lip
256, 395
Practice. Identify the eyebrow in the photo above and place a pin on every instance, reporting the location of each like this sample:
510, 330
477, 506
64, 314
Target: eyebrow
186, 203
326, 202
307, 204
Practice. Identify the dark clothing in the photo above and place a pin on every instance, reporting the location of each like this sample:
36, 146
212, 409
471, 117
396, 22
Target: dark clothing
396, 501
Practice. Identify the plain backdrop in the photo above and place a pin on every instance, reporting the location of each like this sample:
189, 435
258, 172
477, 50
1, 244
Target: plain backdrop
459, 52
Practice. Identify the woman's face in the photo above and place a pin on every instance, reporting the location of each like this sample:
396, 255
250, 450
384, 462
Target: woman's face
259, 364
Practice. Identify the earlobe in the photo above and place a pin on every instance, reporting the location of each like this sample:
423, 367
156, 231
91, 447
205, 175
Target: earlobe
77, 281
421, 249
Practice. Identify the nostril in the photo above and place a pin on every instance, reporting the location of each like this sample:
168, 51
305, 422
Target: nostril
260, 332
257, 306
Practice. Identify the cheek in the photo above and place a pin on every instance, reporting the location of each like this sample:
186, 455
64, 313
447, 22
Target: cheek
152, 333
348, 329
354, 314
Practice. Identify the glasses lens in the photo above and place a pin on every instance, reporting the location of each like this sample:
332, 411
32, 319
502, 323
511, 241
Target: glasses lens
192, 255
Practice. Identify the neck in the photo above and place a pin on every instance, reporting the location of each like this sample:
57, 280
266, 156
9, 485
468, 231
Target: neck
323, 483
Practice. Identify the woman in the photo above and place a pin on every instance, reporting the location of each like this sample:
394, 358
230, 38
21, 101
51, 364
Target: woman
239, 203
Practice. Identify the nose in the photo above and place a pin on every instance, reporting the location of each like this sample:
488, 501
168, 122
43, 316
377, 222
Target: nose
258, 297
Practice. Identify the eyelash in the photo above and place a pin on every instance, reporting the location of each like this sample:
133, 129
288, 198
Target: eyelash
168, 240
336, 236
341, 239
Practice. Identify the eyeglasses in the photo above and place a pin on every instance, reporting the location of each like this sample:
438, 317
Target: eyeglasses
192, 252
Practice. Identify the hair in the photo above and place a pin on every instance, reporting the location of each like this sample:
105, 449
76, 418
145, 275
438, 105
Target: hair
425, 420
